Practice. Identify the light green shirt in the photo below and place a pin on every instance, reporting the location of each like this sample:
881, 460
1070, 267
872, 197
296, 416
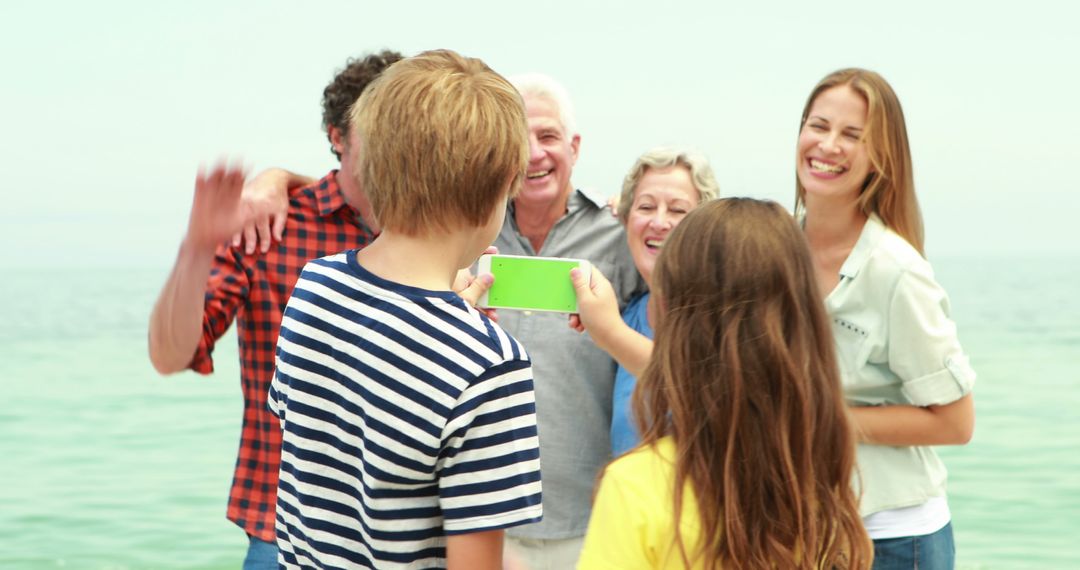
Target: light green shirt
896, 345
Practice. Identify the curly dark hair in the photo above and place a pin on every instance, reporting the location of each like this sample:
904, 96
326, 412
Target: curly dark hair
347, 86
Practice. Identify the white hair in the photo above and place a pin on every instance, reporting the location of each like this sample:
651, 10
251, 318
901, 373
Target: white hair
540, 85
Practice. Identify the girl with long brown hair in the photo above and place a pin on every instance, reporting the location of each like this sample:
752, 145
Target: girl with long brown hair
746, 454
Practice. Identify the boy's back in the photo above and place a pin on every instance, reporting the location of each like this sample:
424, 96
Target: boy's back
407, 416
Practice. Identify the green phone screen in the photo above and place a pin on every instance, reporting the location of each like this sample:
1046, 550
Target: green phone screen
530, 283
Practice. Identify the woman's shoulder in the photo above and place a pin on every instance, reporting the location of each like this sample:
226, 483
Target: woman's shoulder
893, 256
639, 301
635, 314
645, 462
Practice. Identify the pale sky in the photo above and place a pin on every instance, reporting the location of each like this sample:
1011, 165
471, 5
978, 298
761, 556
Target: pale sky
108, 108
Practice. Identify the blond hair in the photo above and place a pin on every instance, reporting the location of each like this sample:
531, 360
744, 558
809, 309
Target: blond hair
889, 190
744, 379
441, 136
701, 174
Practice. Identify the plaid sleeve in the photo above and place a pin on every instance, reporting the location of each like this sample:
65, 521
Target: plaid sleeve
490, 475
226, 290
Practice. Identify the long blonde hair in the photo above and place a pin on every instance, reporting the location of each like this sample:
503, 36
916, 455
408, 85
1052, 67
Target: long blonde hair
889, 191
744, 379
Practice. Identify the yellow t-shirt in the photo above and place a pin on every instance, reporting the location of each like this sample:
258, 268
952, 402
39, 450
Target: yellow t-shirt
632, 525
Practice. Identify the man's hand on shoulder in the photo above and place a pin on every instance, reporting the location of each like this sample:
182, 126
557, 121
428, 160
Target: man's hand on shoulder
266, 196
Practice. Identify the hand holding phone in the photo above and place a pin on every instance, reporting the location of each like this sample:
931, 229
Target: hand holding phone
531, 283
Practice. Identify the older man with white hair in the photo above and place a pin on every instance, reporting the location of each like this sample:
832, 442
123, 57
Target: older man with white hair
573, 378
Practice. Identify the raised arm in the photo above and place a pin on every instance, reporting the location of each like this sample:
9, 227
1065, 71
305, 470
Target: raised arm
598, 313
267, 197
176, 320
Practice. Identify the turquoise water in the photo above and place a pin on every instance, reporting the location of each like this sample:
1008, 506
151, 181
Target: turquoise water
105, 465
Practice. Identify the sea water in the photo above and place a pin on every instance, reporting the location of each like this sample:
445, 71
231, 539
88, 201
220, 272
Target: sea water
106, 465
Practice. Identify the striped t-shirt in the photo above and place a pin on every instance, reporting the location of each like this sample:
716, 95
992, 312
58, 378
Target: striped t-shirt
406, 416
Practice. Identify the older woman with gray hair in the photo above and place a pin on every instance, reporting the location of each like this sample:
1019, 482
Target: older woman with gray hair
661, 188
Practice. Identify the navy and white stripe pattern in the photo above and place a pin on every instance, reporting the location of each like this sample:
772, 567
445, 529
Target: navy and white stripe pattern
406, 416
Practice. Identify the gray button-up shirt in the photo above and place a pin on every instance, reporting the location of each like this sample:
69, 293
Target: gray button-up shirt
573, 378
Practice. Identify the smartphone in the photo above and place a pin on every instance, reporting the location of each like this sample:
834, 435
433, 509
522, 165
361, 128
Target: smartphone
531, 283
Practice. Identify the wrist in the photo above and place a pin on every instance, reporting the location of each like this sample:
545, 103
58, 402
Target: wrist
609, 334
196, 248
855, 417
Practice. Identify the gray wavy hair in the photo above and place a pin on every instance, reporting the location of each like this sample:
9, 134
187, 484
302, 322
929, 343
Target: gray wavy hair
701, 174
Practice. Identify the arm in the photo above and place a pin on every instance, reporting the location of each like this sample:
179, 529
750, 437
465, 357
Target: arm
176, 320
267, 197
472, 287
924, 351
598, 312
475, 550
490, 476
948, 424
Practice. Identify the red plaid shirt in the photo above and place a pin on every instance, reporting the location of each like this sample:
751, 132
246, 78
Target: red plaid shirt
255, 289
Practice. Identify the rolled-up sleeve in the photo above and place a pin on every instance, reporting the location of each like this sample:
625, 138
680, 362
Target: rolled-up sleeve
924, 351
227, 290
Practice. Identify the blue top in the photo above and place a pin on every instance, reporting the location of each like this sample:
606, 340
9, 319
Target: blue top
623, 434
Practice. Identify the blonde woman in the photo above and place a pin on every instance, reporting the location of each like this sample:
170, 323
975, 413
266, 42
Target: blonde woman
905, 375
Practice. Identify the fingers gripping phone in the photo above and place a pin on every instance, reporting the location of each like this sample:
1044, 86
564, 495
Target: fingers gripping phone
531, 283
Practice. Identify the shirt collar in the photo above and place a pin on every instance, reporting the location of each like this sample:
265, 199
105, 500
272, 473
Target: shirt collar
584, 196
871, 234
577, 200
328, 196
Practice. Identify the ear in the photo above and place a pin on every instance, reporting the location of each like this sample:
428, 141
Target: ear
336, 140
575, 144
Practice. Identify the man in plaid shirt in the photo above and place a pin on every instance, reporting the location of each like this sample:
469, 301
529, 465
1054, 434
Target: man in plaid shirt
213, 282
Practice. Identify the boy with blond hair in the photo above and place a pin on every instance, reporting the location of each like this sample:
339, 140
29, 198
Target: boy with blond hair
408, 418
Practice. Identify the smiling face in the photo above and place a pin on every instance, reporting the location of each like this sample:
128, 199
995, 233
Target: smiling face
833, 161
662, 199
552, 154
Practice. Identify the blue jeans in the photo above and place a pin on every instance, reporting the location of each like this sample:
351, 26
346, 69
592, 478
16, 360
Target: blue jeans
261, 555
934, 551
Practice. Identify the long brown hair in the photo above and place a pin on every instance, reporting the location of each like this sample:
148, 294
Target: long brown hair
744, 379
889, 190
